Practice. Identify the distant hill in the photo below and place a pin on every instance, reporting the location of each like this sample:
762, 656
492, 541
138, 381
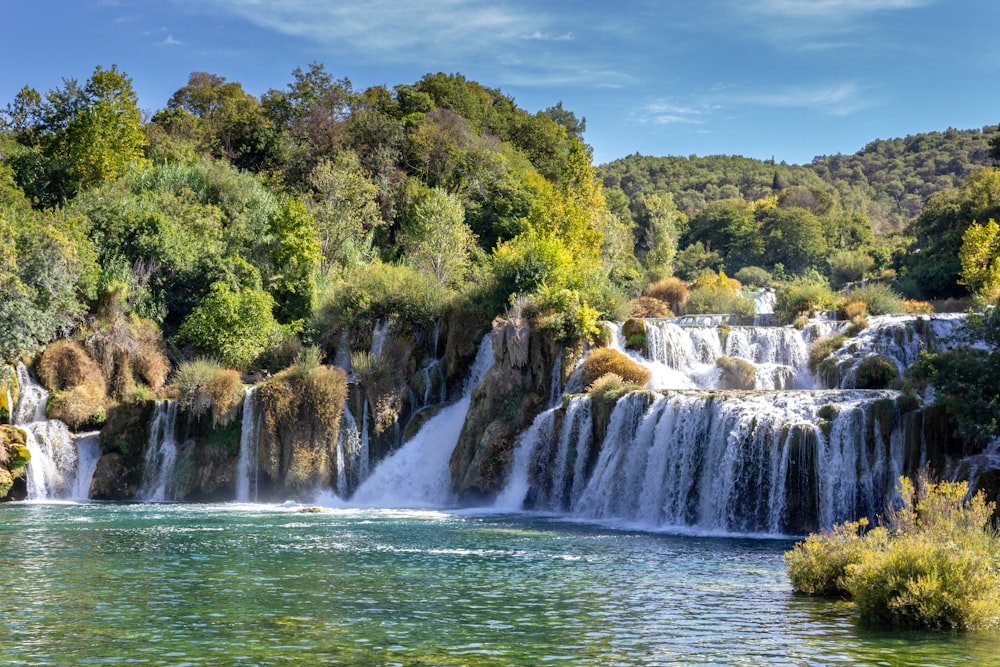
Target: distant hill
888, 180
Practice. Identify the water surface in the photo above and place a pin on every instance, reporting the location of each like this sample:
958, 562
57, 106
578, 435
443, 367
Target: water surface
178, 584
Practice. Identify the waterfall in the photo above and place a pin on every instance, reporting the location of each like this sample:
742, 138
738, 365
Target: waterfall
52, 470
417, 474
556, 382
88, 453
161, 454
721, 462
349, 442
537, 435
248, 463
899, 338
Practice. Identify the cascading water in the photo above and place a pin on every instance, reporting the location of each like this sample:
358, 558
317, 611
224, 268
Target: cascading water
417, 474
779, 461
248, 464
161, 454
899, 338
52, 471
88, 450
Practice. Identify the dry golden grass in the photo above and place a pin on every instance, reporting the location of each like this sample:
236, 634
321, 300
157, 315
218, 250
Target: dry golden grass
65, 364
607, 360
647, 306
225, 390
608, 382
673, 291
85, 403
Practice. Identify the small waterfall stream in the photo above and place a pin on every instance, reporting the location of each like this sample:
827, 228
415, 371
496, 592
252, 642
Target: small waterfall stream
248, 464
161, 454
61, 466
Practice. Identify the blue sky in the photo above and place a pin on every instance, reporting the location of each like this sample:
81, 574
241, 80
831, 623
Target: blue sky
789, 79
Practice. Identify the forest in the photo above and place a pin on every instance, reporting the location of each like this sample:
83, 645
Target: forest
254, 232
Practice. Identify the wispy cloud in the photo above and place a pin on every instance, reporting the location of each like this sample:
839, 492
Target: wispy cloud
391, 29
170, 41
839, 99
661, 112
832, 8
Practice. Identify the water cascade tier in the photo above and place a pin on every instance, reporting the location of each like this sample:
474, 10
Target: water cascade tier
782, 456
62, 465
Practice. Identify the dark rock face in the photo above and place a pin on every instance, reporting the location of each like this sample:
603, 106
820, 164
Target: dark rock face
514, 391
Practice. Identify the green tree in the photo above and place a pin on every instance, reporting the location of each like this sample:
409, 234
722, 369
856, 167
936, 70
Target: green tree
980, 260
344, 205
793, 237
435, 237
234, 326
730, 228
294, 260
664, 225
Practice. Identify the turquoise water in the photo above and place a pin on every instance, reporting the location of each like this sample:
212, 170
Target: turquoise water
252, 585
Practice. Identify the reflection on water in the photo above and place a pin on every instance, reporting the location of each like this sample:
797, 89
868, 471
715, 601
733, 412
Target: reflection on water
247, 585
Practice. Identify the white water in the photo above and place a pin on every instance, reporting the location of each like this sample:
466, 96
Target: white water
161, 454
899, 338
88, 450
728, 461
417, 474
248, 464
52, 472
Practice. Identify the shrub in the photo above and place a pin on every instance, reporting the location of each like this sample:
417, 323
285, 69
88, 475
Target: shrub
673, 291
85, 404
931, 566
79, 392
917, 307
803, 298
880, 299
128, 349
607, 360
876, 372
736, 373
606, 384
754, 276
235, 326
204, 385
818, 566
65, 364
822, 348
647, 306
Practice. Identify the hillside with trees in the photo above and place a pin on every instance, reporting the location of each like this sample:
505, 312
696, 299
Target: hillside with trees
247, 229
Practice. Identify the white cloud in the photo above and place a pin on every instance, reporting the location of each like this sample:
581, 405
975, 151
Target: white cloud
170, 41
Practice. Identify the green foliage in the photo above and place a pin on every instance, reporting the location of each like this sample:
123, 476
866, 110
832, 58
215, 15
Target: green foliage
880, 299
876, 372
436, 239
794, 237
932, 566
979, 257
717, 294
379, 292
966, 380
235, 326
934, 271
695, 261
818, 565
754, 276
803, 297
849, 266
344, 205
295, 255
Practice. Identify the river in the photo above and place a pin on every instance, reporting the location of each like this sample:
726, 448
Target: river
238, 584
